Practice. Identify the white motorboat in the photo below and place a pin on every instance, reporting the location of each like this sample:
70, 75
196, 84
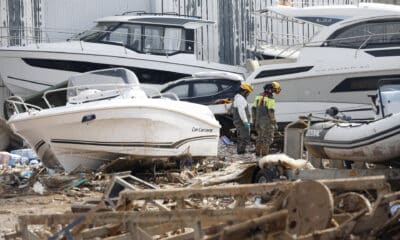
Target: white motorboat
120, 117
158, 48
355, 47
376, 141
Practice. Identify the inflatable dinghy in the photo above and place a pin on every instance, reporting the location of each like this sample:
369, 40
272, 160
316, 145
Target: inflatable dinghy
377, 141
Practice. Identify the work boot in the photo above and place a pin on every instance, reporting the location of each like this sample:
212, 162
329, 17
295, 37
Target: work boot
265, 149
258, 149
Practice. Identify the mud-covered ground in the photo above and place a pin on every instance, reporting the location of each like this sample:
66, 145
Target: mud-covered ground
11, 208
14, 203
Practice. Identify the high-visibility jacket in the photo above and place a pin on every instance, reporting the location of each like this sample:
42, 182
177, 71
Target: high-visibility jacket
269, 102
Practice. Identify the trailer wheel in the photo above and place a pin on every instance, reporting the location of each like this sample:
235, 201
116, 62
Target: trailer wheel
266, 175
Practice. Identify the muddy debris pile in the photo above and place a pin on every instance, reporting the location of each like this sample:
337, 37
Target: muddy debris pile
211, 199
132, 208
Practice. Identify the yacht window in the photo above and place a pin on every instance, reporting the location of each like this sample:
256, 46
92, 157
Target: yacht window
377, 34
205, 89
173, 40
357, 84
189, 45
182, 91
119, 36
135, 37
96, 32
153, 40
126, 34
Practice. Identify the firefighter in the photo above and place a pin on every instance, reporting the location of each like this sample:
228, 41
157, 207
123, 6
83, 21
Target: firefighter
265, 122
241, 117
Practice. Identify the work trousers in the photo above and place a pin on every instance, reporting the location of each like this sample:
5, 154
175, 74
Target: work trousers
243, 139
265, 128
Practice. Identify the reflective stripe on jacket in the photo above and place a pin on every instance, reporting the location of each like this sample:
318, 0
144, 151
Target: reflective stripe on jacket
269, 103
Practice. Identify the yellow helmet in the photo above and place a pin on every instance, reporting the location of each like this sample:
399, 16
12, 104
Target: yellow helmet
247, 87
277, 87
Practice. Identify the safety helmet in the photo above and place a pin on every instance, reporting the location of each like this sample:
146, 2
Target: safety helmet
247, 87
276, 87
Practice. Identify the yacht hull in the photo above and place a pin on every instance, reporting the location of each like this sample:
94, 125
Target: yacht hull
30, 69
94, 135
304, 94
378, 141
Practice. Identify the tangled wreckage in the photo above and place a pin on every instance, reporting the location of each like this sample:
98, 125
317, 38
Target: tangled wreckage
134, 209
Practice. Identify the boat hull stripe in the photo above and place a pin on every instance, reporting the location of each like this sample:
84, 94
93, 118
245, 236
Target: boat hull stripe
135, 144
380, 136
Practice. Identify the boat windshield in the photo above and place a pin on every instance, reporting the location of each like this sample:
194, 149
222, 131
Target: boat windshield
97, 31
101, 80
370, 34
390, 97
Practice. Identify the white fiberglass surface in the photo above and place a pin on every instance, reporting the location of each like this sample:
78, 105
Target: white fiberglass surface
104, 80
390, 95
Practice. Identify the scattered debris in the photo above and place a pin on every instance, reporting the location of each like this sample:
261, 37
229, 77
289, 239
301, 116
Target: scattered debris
284, 161
334, 209
209, 199
38, 188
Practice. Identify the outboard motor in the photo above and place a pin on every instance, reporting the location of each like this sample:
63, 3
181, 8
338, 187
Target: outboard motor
336, 114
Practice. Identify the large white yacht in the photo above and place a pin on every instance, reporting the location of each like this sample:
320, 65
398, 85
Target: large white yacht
340, 66
158, 48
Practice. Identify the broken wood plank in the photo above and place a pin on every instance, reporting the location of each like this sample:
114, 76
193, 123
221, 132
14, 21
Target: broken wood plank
360, 183
183, 217
218, 191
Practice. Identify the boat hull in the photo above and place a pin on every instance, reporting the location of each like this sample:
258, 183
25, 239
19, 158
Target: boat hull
30, 69
94, 135
326, 77
378, 141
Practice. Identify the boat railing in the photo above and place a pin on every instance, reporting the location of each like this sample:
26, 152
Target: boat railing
18, 102
274, 38
13, 36
283, 50
356, 42
302, 3
25, 36
110, 91
144, 13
